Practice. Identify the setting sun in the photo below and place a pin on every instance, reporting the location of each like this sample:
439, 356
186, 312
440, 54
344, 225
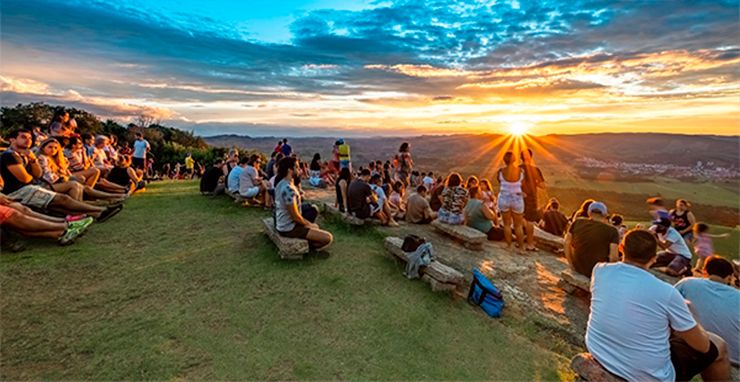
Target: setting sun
518, 128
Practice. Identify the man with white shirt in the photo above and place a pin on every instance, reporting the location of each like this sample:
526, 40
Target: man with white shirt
640, 328
675, 257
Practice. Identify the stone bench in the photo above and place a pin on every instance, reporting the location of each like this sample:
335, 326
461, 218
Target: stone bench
441, 277
288, 248
571, 280
348, 218
469, 237
588, 369
548, 241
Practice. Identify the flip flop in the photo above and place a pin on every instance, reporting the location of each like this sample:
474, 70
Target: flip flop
109, 213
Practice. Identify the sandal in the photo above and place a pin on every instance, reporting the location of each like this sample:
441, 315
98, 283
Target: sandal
109, 213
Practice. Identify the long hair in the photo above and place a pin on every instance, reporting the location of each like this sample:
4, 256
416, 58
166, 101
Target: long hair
404, 147
453, 180
57, 162
283, 167
345, 174
471, 179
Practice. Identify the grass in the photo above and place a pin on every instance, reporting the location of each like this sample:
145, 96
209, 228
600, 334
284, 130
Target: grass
184, 286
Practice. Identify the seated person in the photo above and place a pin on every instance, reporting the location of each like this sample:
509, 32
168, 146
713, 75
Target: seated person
363, 202
212, 181
232, 181
251, 183
554, 221
341, 187
314, 172
376, 184
454, 198
395, 201
100, 157
435, 196
715, 302
617, 221
19, 169
23, 220
82, 168
675, 258
288, 219
124, 175
480, 217
590, 241
418, 210
640, 327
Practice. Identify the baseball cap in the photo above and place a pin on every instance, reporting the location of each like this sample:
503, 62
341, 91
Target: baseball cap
598, 207
665, 222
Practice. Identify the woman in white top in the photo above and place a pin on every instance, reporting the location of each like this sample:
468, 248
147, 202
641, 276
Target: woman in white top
511, 199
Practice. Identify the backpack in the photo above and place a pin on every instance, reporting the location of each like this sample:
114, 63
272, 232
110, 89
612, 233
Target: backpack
411, 243
484, 294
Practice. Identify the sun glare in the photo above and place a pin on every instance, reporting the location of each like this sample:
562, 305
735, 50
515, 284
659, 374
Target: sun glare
518, 128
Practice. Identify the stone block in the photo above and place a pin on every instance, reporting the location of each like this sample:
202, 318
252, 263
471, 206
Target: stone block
288, 248
586, 367
469, 237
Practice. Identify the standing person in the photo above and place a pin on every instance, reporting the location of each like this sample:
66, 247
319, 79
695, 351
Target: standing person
278, 148
480, 217
640, 327
715, 302
703, 246
345, 157
288, 219
510, 199
334, 163
454, 198
554, 221
591, 241
675, 256
286, 149
405, 163
533, 181
341, 187
189, 165
683, 219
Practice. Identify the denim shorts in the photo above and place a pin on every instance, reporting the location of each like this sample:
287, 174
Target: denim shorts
511, 202
450, 218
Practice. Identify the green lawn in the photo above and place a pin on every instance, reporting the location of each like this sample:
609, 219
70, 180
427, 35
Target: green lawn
184, 286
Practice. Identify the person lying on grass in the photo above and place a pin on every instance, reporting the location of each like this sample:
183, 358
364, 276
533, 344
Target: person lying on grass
20, 171
289, 221
18, 218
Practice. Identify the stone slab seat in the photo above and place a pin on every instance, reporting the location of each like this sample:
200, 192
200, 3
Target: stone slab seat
347, 218
548, 240
570, 279
469, 237
440, 276
288, 248
588, 369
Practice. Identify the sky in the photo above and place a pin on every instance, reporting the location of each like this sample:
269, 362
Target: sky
371, 68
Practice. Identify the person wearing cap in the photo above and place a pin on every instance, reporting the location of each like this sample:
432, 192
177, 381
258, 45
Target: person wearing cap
591, 241
675, 257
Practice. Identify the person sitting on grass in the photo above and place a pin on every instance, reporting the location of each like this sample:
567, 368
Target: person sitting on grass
480, 217
418, 210
212, 182
363, 202
251, 183
675, 257
82, 168
100, 158
376, 184
454, 198
124, 175
591, 241
288, 219
19, 168
55, 172
234, 178
554, 221
703, 245
23, 220
715, 302
640, 327
396, 200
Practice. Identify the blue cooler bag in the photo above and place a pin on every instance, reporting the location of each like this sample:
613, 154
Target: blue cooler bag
484, 294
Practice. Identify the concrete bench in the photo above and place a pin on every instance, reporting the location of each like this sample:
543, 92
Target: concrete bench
288, 248
469, 237
441, 277
588, 369
548, 241
348, 218
571, 280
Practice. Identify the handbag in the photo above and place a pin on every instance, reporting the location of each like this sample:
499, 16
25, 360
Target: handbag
412, 242
484, 294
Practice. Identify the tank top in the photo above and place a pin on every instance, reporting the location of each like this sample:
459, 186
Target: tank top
680, 222
344, 152
476, 219
510, 188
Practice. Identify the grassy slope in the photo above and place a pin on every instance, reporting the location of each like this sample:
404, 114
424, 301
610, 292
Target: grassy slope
184, 286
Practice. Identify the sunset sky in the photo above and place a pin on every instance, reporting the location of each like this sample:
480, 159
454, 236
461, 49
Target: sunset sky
364, 68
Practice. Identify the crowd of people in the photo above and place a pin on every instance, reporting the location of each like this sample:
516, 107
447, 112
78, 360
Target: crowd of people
56, 183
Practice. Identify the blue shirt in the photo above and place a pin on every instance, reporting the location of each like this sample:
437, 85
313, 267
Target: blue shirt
140, 146
233, 180
286, 150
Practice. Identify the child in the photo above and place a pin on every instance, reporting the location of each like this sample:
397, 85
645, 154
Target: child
703, 244
398, 210
487, 194
616, 220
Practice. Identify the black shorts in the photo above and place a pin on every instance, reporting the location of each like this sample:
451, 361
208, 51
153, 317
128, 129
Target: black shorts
138, 163
677, 263
687, 361
362, 213
298, 232
495, 234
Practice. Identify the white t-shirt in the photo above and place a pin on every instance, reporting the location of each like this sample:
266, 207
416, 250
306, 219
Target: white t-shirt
632, 314
679, 246
428, 183
380, 192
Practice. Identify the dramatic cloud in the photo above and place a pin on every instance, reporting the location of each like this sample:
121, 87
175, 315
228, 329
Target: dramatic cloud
383, 67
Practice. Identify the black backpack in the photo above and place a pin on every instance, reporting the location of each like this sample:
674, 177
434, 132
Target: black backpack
412, 242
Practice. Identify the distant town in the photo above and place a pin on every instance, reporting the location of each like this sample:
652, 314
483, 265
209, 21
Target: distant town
707, 171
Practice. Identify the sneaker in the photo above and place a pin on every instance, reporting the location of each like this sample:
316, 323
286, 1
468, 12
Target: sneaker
69, 236
81, 224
